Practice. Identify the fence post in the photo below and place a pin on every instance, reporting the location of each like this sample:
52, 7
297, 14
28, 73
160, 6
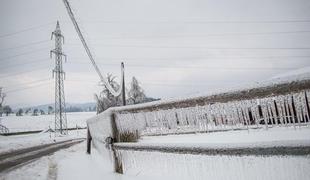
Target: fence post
89, 139
118, 167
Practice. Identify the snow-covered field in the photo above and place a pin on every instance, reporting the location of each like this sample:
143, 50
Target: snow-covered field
42, 122
10, 143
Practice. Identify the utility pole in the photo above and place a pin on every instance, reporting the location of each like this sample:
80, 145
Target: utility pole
123, 84
59, 74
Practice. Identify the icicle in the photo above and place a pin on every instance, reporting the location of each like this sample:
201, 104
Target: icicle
307, 105
291, 110
281, 110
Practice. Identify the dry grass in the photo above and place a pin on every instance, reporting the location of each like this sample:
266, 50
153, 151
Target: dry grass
129, 136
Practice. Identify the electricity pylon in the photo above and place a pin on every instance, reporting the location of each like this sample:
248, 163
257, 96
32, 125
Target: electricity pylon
59, 74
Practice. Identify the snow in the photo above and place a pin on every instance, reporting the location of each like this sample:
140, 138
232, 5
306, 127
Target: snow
188, 166
253, 138
100, 126
199, 167
11, 143
302, 73
71, 163
74, 163
43, 122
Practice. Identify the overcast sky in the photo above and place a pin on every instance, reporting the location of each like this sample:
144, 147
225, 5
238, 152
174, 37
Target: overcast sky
173, 47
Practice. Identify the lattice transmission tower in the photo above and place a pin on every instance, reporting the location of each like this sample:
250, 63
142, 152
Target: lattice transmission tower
59, 74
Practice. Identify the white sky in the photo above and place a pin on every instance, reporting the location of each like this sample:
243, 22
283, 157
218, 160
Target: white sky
173, 47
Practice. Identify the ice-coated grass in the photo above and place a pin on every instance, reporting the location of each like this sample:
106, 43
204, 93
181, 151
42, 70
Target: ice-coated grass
129, 136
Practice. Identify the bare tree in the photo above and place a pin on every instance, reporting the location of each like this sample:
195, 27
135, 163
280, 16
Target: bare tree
50, 110
35, 112
136, 94
19, 112
42, 112
2, 97
106, 98
7, 110
27, 110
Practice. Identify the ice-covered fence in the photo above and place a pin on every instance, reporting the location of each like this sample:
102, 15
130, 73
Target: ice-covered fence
100, 127
284, 104
281, 104
161, 165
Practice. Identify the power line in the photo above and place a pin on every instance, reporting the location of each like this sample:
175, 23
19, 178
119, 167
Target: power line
25, 30
24, 45
24, 72
183, 85
29, 83
208, 35
78, 30
149, 66
198, 47
86, 81
196, 67
21, 54
197, 21
22, 89
205, 84
25, 63
198, 58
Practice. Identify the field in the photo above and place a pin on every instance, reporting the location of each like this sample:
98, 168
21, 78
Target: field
43, 122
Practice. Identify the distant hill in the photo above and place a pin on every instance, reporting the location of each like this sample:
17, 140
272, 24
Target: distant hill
70, 107
74, 107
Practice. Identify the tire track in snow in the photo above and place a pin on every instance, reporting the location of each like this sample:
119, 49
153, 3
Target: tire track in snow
13, 159
52, 170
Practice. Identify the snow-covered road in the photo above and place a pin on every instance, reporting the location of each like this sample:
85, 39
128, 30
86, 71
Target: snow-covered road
18, 157
12, 143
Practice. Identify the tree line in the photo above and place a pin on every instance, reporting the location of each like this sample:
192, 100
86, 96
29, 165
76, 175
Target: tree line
134, 95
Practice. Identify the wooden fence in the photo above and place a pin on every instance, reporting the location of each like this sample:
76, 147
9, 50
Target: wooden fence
281, 104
